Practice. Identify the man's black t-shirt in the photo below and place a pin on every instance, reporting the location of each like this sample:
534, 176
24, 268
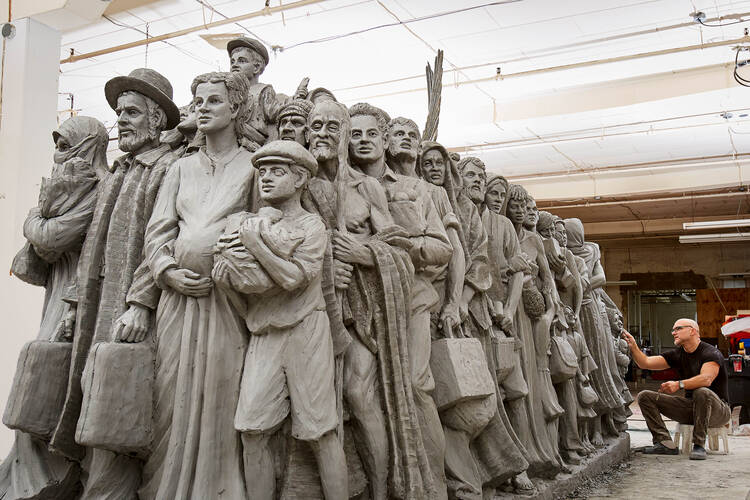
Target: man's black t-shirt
688, 365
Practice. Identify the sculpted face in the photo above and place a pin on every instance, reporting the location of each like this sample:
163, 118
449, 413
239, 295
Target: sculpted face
62, 145
403, 141
548, 232
292, 128
433, 167
243, 60
494, 198
560, 234
532, 214
474, 179
132, 121
324, 129
367, 143
212, 107
516, 211
276, 181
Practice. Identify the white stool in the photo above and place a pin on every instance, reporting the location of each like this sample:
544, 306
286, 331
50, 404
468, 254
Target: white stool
685, 432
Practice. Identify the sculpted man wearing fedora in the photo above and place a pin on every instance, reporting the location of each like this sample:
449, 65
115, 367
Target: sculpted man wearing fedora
111, 253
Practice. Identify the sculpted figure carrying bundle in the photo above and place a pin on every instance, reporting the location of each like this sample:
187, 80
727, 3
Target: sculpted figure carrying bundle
345, 312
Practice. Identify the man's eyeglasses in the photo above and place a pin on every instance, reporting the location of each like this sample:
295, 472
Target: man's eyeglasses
678, 328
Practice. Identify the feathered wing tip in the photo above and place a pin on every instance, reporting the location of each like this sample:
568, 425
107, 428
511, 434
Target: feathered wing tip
434, 95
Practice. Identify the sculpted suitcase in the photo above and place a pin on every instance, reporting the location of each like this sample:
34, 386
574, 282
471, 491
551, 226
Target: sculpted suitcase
505, 355
117, 408
459, 367
39, 387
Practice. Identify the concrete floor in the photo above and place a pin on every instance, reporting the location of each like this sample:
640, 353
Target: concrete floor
654, 477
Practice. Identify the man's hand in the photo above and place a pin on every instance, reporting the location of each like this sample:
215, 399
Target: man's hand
342, 274
630, 340
186, 282
556, 263
133, 325
449, 319
503, 321
346, 248
669, 387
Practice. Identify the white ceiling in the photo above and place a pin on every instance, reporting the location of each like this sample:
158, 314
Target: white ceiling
546, 132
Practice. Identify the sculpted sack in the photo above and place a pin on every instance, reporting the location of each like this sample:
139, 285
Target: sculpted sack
563, 363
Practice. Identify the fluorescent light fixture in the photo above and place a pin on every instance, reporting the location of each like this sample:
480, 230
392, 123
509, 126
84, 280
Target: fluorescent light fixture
733, 275
716, 224
621, 283
714, 238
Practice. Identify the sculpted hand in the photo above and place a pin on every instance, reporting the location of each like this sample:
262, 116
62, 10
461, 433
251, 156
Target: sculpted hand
67, 326
504, 321
449, 319
133, 325
347, 249
342, 274
463, 311
556, 263
187, 282
250, 234
670, 387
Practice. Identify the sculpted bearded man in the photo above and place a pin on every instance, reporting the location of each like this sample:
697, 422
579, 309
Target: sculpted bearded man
366, 282
411, 205
111, 253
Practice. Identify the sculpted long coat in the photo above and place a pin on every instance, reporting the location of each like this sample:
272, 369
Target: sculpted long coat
112, 251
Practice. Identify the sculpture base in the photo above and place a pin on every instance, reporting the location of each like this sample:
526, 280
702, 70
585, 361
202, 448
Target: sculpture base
615, 451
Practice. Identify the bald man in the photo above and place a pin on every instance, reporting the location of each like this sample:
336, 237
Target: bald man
700, 367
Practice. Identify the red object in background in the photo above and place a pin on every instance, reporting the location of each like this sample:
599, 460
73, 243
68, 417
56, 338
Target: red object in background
737, 365
735, 338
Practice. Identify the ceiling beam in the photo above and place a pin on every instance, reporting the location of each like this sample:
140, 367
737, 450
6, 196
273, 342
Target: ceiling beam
175, 34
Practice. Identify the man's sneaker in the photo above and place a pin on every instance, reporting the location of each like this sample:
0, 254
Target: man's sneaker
660, 449
698, 453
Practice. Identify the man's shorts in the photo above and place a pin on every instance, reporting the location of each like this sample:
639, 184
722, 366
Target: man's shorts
290, 369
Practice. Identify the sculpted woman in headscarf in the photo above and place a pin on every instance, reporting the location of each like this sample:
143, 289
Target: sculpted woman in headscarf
55, 230
482, 451
595, 331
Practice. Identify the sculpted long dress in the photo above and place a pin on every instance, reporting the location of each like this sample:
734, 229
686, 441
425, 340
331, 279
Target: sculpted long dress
542, 405
200, 342
596, 334
56, 228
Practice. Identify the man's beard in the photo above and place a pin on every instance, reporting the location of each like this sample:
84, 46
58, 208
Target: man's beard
398, 155
323, 153
475, 194
135, 141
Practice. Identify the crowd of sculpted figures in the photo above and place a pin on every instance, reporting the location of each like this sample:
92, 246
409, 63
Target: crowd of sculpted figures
271, 297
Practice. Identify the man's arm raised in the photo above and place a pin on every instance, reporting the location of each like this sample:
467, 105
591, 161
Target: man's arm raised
644, 362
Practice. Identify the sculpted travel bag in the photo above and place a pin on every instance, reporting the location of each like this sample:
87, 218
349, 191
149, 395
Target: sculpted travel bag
563, 363
39, 387
117, 408
459, 367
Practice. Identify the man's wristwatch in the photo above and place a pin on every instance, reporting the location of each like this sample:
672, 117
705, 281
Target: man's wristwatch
682, 384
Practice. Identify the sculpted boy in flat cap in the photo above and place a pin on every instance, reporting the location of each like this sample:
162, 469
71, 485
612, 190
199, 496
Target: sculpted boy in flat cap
289, 366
